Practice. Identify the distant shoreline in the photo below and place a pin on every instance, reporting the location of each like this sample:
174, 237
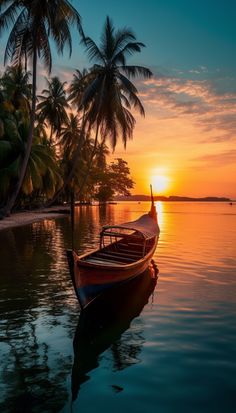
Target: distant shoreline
173, 198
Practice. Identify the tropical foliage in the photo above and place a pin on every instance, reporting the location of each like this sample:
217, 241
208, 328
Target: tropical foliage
42, 176
110, 94
33, 22
56, 143
53, 106
107, 183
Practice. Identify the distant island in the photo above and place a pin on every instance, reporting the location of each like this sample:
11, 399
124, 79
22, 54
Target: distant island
171, 198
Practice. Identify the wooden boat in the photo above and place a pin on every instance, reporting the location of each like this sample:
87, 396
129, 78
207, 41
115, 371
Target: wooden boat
98, 329
125, 252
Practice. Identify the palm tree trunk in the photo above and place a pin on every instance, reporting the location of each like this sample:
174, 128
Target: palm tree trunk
50, 138
95, 144
12, 199
90, 161
71, 173
72, 216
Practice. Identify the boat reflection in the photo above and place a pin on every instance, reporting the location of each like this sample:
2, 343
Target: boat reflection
101, 325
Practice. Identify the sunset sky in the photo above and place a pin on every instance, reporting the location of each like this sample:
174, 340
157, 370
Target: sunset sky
188, 137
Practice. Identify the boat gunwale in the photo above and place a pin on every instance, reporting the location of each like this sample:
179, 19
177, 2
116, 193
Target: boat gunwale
138, 226
116, 266
120, 234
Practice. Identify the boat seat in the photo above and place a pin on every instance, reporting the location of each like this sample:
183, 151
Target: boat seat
94, 260
115, 257
128, 244
131, 254
131, 251
128, 253
136, 244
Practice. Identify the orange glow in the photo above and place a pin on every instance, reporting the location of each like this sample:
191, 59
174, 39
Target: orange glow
186, 129
160, 181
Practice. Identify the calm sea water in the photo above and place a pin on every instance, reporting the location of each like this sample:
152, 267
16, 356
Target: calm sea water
177, 355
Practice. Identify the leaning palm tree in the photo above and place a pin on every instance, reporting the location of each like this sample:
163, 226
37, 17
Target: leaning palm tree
53, 105
33, 22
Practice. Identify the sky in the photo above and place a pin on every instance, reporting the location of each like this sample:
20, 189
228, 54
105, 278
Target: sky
186, 144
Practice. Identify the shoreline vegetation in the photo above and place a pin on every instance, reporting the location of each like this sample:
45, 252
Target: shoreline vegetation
54, 145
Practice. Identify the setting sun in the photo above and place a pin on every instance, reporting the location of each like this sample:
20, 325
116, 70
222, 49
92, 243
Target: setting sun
160, 183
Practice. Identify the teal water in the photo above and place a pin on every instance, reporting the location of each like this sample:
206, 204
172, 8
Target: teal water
177, 355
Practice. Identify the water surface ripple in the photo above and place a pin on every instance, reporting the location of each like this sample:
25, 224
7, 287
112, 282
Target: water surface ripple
178, 355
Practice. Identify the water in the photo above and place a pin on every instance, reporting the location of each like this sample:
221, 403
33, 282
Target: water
178, 355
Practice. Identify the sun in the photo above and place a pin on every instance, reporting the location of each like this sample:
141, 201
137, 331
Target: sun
160, 183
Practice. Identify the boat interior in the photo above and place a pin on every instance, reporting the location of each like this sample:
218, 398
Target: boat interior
121, 250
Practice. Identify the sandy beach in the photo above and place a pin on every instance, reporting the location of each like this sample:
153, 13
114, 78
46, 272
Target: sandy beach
28, 217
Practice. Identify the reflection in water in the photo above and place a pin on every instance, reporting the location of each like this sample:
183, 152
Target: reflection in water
35, 303
28, 370
188, 343
102, 323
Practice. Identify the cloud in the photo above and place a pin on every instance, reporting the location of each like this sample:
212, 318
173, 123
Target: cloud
210, 108
221, 120
218, 160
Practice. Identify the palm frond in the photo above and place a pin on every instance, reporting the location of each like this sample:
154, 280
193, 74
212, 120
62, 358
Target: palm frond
8, 16
93, 50
14, 42
134, 71
91, 90
129, 49
44, 49
72, 16
130, 91
126, 84
62, 37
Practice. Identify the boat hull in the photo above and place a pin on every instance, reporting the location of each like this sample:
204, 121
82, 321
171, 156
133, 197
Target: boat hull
91, 280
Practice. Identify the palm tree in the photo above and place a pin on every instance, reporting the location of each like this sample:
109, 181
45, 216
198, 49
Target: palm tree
101, 154
33, 22
53, 105
78, 87
71, 141
110, 94
42, 174
106, 93
16, 89
70, 135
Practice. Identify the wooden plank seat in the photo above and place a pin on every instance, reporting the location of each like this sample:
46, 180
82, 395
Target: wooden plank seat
129, 254
95, 260
128, 244
108, 256
137, 251
122, 245
135, 244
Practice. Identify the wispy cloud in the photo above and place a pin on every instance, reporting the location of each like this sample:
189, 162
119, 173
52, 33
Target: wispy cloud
218, 160
210, 108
